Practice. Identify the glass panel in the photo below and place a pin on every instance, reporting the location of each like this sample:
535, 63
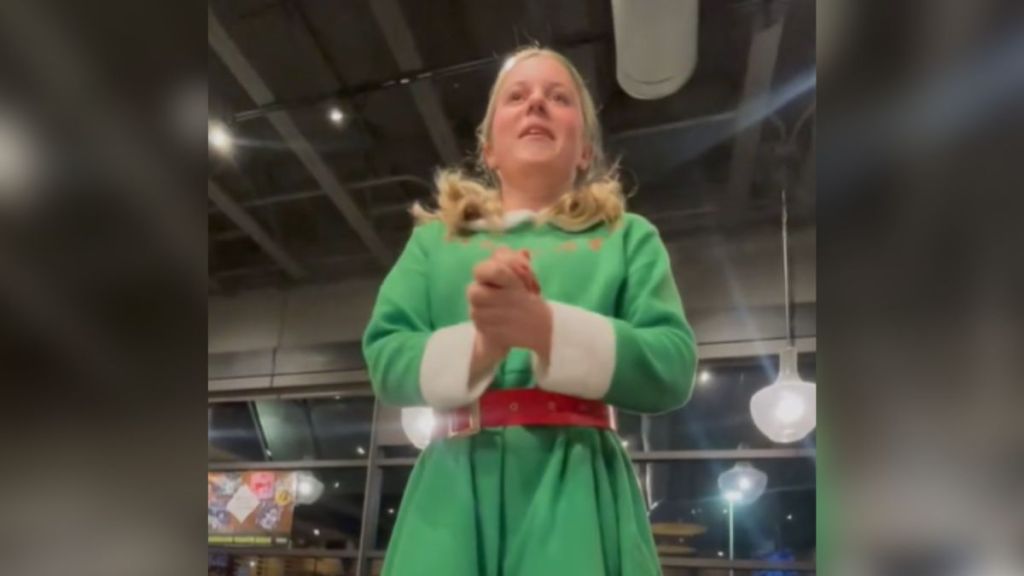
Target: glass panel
231, 433
690, 517
303, 429
717, 416
630, 428
286, 429
807, 366
393, 483
341, 426
334, 520
391, 438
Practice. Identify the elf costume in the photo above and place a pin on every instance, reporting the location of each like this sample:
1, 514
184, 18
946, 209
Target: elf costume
537, 500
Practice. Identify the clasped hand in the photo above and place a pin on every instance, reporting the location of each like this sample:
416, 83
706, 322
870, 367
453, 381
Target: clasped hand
506, 307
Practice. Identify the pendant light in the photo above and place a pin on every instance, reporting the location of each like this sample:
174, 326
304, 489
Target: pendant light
786, 411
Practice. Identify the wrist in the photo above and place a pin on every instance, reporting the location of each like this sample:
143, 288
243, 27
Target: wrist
545, 326
486, 351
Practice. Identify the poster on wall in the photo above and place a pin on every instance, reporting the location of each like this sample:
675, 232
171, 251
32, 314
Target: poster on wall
252, 508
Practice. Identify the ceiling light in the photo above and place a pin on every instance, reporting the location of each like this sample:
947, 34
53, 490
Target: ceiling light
219, 137
19, 159
705, 376
335, 115
786, 411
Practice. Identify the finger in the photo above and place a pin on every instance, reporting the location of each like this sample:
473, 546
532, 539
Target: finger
495, 273
477, 294
519, 262
482, 296
525, 274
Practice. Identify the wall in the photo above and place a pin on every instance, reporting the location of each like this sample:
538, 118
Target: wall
732, 291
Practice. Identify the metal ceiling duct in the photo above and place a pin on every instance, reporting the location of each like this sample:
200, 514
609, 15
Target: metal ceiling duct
655, 45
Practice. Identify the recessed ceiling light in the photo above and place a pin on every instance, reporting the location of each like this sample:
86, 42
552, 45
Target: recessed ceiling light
219, 137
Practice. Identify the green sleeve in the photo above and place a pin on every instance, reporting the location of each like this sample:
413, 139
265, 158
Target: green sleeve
656, 351
400, 325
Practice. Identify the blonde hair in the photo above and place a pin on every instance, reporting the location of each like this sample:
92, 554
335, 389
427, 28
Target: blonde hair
596, 195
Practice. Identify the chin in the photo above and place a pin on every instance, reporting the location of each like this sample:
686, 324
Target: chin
539, 155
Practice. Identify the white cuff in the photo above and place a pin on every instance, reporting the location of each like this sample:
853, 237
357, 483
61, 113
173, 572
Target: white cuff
444, 371
582, 360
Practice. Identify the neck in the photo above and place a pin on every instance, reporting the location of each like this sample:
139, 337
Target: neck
530, 195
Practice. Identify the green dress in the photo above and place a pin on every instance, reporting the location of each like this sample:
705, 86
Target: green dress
555, 501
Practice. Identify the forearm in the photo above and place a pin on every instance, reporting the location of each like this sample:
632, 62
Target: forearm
485, 359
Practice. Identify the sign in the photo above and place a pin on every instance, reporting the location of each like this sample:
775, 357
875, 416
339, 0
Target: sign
253, 508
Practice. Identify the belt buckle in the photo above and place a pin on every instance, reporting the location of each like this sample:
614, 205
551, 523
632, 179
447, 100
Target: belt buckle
455, 430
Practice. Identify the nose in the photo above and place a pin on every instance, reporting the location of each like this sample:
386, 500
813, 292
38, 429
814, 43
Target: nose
537, 103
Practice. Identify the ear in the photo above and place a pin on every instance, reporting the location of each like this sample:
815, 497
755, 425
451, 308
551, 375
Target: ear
489, 158
586, 157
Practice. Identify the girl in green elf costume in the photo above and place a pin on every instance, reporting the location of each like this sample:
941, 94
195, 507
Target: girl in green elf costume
525, 309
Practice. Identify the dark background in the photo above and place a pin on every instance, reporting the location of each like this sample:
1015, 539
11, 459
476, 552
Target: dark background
102, 291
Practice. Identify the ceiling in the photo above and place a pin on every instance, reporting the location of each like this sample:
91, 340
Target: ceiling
300, 199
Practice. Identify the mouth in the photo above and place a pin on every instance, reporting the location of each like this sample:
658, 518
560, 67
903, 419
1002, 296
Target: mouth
537, 131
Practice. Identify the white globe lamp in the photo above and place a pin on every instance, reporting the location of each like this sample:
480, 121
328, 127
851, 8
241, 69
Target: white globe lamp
785, 411
418, 424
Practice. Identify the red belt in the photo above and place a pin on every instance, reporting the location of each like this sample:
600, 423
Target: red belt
523, 407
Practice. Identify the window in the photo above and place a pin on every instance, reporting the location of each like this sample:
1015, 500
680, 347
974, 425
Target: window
677, 457
327, 428
690, 516
717, 417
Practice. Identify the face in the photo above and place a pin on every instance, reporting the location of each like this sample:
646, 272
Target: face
537, 121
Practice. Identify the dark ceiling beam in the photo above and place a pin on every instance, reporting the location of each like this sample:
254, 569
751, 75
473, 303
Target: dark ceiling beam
313, 193
250, 226
399, 38
761, 59
285, 125
597, 41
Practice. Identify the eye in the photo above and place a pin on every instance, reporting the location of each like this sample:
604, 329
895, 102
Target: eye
562, 98
515, 97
